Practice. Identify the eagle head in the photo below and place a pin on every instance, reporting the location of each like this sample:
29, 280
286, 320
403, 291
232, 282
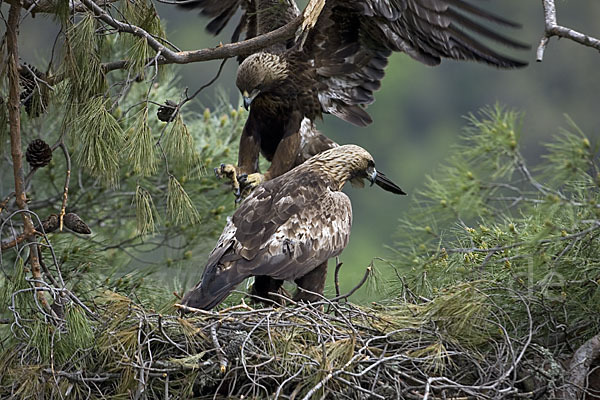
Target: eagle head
259, 73
352, 163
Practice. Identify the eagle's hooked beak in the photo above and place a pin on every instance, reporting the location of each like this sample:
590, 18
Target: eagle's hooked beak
249, 98
383, 182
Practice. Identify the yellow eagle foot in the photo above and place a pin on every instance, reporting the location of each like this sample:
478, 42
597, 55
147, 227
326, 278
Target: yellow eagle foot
229, 172
248, 182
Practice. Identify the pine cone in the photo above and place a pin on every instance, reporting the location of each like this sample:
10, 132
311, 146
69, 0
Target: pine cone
28, 74
76, 224
38, 154
50, 224
167, 113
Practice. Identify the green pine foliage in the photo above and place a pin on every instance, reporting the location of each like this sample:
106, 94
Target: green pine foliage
82, 62
179, 146
101, 140
496, 255
140, 13
144, 187
140, 149
145, 211
486, 218
179, 205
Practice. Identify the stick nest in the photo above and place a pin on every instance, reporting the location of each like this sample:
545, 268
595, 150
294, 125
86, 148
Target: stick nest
458, 345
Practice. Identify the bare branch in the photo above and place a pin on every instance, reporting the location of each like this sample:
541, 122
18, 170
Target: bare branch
338, 265
49, 6
552, 28
67, 180
184, 57
355, 288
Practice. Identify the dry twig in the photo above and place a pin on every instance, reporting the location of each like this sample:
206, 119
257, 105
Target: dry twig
552, 28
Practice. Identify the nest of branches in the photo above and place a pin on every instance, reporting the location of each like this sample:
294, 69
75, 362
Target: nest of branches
459, 345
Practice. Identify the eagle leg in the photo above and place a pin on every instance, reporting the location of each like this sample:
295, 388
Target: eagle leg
263, 285
313, 284
229, 171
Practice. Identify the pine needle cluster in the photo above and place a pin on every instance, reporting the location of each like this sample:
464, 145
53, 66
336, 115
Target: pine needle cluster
488, 220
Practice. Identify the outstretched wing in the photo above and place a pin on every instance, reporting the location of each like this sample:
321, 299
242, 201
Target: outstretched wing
351, 41
221, 12
257, 16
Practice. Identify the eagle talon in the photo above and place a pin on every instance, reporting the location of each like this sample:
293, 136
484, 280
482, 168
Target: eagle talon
229, 171
238, 195
226, 171
247, 183
250, 181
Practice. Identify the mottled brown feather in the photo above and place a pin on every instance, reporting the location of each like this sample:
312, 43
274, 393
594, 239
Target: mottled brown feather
286, 228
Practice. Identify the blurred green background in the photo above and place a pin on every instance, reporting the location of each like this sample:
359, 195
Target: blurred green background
419, 111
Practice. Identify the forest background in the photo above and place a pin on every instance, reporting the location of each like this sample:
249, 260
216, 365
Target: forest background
489, 268
418, 114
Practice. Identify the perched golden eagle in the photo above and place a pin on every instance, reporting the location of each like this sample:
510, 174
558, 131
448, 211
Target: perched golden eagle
336, 65
288, 228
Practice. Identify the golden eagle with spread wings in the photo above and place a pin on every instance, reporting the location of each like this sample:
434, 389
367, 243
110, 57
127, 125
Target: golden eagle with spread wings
336, 64
288, 228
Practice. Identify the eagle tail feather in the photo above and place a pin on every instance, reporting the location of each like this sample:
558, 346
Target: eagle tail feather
216, 284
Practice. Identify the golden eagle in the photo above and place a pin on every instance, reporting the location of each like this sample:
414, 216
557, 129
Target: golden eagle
336, 65
288, 228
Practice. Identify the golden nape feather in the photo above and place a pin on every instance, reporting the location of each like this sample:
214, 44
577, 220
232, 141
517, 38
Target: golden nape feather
287, 229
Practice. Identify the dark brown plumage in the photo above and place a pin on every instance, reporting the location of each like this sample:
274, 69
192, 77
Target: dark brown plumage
288, 228
260, 17
337, 64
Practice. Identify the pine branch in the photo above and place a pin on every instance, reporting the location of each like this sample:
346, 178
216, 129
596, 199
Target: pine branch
164, 54
50, 224
184, 57
14, 116
215, 53
63, 208
49, 6
579, 368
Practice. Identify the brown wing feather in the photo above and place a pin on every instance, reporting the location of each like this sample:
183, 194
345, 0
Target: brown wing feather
220, 11
318, 232
351, 41
287, 227
312, 142
290, 226
258, 16
271, 205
